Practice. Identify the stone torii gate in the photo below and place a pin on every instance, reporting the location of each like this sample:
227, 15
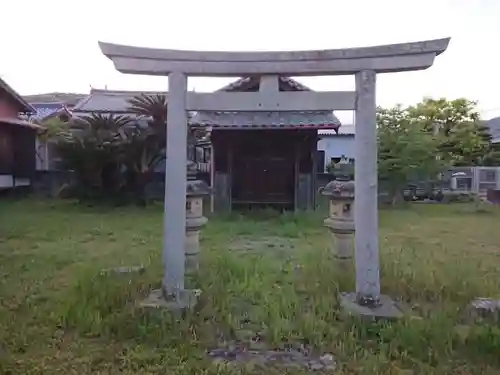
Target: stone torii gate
364, 63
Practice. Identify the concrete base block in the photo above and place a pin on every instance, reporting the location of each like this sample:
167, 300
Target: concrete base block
185, 300
387, 308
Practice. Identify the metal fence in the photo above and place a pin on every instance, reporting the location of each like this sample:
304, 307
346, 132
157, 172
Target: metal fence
474, 179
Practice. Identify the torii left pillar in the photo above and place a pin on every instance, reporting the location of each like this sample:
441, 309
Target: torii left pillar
173, 294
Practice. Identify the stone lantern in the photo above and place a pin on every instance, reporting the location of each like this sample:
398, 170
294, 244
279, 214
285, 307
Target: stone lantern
341, 215
195, 191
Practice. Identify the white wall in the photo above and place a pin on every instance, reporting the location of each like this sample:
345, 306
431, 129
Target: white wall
335, 146
7, 181
42, 155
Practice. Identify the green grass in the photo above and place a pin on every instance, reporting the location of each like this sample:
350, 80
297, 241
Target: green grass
58, 315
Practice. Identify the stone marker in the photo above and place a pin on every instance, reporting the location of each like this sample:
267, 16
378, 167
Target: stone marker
485, 310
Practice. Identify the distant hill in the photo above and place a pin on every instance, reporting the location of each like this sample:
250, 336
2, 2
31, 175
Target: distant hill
69, 99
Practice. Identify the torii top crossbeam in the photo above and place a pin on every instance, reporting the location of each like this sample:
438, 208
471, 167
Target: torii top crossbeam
380, 59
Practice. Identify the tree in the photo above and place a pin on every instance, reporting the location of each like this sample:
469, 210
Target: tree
48, 131
464, 140
93, 148
443, 114
153, 110
406, 152
469, 144
115, 155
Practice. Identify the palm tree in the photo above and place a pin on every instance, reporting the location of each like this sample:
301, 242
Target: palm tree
94, 151
155, 108
152, 108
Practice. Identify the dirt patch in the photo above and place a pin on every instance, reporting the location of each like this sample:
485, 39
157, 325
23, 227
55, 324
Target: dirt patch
263, 244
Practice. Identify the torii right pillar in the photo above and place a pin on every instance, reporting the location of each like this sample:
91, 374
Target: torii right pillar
367, 300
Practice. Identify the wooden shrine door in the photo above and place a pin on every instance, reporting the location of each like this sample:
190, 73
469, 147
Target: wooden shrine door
263, 174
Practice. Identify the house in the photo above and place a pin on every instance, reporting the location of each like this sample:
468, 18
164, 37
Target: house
17, 140
257, 158
494, 127
67, 99
44, 113
335, 144
49, 106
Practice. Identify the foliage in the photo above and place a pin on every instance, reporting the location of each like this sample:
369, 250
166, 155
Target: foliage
114, 156
52, 128
94, 151
464, 139
469, 144
406, 152
150, 140
341, 169
416, 142
60, 315
443, 114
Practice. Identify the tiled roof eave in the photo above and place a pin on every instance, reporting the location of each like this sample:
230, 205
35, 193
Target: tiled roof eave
20, 122
330, 126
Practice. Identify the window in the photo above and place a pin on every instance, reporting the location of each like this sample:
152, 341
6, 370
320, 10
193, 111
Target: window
487, 176
464, 183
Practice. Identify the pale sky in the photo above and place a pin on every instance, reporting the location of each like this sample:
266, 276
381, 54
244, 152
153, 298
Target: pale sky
52, 46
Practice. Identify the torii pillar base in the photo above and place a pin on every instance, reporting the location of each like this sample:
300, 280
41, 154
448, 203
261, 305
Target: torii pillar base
178, 304
384, 308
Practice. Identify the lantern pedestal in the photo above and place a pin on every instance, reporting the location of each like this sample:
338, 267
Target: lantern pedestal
340, 221
196, 190
342, 233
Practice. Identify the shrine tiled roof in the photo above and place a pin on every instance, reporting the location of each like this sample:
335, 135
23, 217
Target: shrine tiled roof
266, 120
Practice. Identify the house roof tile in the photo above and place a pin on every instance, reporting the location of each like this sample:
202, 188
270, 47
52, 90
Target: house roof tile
112, 101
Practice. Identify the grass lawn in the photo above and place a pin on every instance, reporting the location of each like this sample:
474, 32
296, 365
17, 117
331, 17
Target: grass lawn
59, 315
